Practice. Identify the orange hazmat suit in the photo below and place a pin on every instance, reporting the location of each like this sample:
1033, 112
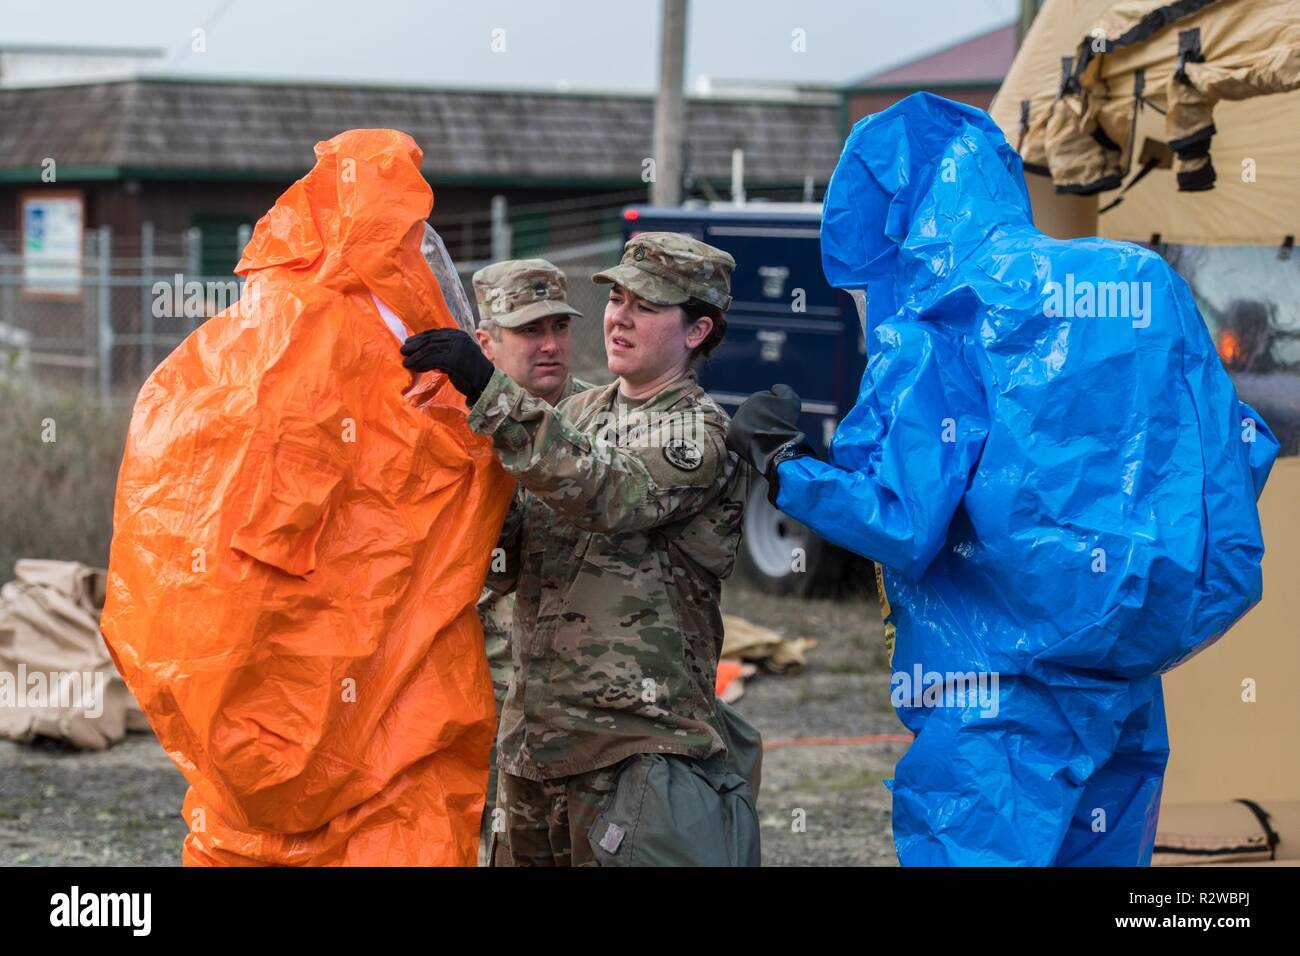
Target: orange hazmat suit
300, 534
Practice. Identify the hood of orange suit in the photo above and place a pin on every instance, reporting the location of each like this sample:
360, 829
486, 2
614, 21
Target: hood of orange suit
354, 224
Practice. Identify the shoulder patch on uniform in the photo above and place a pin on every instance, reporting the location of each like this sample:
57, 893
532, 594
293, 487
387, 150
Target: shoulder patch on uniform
684, 453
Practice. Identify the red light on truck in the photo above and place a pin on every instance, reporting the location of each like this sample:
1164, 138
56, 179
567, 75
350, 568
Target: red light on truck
1229, 347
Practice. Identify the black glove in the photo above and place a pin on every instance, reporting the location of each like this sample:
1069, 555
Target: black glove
765, 432
454, 352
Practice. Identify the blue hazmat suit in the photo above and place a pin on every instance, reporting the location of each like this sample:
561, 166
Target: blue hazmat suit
1050, 463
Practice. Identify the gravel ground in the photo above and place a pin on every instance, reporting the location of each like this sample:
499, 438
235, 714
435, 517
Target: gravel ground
842, 693
63, 807
819, 805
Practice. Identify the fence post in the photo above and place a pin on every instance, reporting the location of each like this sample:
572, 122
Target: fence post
500, 229
105, 316
89, 255
193, 264
242, 238
147, 269
8, 282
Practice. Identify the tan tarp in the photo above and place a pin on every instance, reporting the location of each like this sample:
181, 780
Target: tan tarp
750, 646
56, 678
745, 640
1127, 59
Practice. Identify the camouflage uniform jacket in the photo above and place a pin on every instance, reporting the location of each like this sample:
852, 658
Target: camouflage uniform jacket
496, 611
617, 553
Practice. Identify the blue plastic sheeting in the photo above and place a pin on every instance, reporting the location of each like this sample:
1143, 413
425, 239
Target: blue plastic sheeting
1052, 466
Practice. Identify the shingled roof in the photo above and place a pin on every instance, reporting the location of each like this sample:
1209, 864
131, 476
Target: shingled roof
153, 127
979, 60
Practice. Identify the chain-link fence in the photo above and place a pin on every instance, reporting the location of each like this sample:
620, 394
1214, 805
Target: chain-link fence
103, 315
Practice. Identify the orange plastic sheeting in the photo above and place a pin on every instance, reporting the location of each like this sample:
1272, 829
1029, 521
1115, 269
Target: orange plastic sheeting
299, 540
728, 671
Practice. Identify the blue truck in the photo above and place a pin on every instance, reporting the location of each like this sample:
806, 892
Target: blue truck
786, 324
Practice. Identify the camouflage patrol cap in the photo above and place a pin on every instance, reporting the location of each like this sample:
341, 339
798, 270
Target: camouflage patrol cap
518, 291
667, 268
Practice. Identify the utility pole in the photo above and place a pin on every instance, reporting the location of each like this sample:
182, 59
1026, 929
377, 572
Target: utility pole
1028, 10
666, 190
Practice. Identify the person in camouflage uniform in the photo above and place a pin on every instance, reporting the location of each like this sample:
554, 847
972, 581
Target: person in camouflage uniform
523, 330
616, 552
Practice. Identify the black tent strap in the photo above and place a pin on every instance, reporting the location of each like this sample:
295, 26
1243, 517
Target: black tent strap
1189, 51
1197, 180
1150, 24
1270, 836
1149, 165
1139, 84
1147, 102
1262, 816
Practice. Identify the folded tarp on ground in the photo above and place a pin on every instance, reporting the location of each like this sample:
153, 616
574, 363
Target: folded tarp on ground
744, 640
56, 677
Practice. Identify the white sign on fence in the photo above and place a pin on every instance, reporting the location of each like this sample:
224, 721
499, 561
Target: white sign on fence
52, 231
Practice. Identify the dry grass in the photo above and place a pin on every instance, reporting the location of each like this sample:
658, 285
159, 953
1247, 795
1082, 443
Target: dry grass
56, 496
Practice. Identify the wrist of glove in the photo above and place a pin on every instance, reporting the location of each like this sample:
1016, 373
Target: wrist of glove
454, 352
797, 447
765, 432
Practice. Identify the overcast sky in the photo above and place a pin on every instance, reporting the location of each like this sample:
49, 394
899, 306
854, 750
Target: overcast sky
548, 44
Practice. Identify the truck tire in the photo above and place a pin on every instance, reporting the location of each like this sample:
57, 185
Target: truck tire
778, 555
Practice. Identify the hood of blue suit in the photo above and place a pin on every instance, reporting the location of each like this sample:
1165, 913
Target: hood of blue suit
1061, 495
905, 217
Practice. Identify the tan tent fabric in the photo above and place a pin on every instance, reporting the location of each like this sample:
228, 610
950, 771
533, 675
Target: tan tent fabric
1033, 83
1233, 710
1256, 199
56, 678
1226, 50
1180, 57
1035, 74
